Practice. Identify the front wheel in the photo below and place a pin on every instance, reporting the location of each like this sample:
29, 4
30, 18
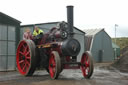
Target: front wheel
87, 65
54, 65
25, 57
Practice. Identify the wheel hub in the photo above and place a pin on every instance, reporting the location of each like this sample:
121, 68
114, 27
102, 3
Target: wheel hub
51, 65
23, 57
83, 65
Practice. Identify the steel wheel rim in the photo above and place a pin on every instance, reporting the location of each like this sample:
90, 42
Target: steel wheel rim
52, 66
85, 65
23, 58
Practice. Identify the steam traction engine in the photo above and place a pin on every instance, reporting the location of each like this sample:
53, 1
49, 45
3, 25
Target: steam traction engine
59, 49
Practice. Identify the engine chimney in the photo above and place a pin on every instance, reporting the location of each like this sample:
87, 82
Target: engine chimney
70, 19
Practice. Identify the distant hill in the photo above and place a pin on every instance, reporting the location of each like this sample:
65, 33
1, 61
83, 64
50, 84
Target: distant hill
121, 42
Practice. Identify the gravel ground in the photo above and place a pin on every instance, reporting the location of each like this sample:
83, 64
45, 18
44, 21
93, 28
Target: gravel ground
101, 76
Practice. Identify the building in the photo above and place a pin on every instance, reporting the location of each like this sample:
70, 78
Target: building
100, 44
9, 37
79, 35
116, 50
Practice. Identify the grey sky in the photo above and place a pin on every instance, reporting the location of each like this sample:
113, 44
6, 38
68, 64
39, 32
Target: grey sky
87, 13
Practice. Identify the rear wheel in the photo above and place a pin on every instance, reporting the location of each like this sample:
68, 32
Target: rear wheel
54, 65
25, 57
87, 65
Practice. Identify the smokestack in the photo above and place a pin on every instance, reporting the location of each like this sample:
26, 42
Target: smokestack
70, 19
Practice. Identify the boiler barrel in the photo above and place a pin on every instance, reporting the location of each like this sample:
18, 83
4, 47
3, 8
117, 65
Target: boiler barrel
70, 47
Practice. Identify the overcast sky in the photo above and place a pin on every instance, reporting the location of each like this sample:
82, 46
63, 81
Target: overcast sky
87, 13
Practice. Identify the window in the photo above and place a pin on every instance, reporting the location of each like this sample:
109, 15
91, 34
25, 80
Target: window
11, 33
3, 32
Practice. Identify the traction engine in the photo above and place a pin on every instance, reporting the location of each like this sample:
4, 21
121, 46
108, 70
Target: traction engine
57, 49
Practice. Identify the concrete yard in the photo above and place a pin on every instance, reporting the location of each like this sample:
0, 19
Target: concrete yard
101, 76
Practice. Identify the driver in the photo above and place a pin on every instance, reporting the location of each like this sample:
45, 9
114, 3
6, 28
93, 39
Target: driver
37, 31
37, 34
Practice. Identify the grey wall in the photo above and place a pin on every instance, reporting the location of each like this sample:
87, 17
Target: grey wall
44, 27
81, 38
47, 27
102, 47
108, 54
7, 47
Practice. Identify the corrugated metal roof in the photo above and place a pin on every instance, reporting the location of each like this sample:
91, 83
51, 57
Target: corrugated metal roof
92, 32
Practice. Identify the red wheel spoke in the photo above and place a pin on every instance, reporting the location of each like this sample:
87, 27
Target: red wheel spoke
21, 61
53, 62
25, 50
53, 70
24, 67
54, 65
86, 64
27, 62
21, 52
86, 58
88, 70
27, 53
28, 58
84, 71
23, 46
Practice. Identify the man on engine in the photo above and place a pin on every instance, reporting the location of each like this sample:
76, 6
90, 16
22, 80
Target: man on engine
38, 34
37, 31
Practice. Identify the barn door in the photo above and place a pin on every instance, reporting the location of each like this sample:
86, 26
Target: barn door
101, 55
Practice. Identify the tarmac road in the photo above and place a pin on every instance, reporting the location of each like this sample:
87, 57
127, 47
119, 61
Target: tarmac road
67, 77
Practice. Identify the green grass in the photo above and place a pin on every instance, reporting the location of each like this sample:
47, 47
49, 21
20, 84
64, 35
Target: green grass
121, 42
